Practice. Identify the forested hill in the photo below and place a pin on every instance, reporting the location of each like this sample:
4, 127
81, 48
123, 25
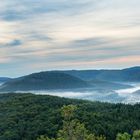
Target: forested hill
27, 116
44, 81
122, 75
54, 80
4, 79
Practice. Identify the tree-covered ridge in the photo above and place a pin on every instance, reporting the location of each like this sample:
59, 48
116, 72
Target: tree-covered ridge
4, 79
44, 81
28, 116
72, 79
74, 130
125, 75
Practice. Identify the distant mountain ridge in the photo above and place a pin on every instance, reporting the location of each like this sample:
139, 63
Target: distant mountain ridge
4, 79
44, 81
124, 75
71, 79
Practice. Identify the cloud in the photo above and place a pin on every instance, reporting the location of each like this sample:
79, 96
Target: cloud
65, 34
15, 42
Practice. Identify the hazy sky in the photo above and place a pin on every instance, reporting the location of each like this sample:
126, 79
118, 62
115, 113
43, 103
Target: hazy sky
38, 35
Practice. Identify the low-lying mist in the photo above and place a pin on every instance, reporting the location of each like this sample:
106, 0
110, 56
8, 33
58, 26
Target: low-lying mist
113, 94
126, 95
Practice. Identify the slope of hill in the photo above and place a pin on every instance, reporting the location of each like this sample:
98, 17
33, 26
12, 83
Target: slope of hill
53, 80
27, 116
137, 93
101, 84
124, 75
44, 81
4, 79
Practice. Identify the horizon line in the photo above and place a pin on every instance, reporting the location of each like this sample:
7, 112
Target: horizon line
88, 69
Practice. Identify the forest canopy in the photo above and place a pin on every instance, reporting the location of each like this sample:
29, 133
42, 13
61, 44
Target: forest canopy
28, 116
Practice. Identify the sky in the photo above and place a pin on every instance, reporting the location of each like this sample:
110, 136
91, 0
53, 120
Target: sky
41, 35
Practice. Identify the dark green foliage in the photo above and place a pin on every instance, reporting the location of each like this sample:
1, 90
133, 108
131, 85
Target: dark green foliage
27, 116
72, 129
124, 136
136, 135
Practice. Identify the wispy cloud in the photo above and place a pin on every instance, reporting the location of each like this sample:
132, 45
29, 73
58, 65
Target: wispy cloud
63, 34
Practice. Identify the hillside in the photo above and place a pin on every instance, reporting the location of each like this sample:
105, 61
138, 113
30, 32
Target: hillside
44, 81
4, 79
74, 79
101, 84
27, 116
124, 75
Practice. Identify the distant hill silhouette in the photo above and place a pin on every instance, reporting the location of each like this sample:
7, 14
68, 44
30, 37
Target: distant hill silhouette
98, 84
124, 75
72, 79
4, 79
44, 81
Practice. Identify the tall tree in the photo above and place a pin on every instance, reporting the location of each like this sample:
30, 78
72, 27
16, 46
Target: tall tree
72, 128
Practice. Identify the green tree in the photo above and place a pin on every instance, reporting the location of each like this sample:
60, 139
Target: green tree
68, 112
93, 137
136, 135
44, 138
72, 128
124, 136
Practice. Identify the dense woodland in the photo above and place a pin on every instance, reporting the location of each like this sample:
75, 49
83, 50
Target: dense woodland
28, 116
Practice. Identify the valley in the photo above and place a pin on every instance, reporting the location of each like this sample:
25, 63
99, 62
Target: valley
113, 86
125, 95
